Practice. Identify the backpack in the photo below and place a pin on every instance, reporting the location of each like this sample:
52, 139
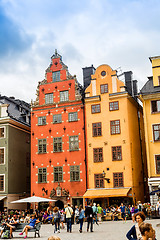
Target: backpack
5, 234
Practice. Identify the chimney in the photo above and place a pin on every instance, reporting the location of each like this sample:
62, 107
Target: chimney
87, 72
128, 82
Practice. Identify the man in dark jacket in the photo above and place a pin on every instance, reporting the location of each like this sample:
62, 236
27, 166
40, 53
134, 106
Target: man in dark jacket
89, 216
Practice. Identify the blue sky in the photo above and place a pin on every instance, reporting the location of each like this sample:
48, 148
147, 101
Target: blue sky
120, 33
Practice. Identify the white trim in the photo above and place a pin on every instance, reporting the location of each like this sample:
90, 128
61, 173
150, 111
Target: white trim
4, 182
4, 132
4, 155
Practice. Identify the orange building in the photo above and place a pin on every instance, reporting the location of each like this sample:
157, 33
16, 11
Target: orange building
58, 164
115, 153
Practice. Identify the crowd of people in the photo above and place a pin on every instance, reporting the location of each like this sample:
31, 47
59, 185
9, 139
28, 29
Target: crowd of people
92, 213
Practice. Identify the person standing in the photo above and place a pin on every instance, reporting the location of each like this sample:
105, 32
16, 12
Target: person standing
123, 211
95, 213
81, 217
69, 213
89, 216
99, 213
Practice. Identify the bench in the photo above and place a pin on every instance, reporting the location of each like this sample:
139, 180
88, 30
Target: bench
36, 229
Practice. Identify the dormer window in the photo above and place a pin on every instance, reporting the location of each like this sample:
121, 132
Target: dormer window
56, 76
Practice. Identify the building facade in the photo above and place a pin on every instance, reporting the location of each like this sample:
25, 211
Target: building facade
58, 163
14, 151
150, 97
114, 146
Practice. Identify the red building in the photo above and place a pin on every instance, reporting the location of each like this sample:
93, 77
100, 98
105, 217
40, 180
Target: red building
58, 163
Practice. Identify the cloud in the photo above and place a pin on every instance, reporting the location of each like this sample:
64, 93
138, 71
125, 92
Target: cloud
13, 40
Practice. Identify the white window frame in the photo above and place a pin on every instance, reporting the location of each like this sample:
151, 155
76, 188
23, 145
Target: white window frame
4, 156
64, 96
48, 98
4, 182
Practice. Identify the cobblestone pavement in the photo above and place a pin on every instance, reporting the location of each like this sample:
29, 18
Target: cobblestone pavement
106, 230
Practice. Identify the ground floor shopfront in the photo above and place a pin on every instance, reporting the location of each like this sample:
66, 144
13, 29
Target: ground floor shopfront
108, 197
154, 190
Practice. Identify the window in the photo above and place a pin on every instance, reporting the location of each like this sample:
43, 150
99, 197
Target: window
56, 76
2, 132
41, 121
97, 129
156, 132
113, 106
2, 183
118, 179
104, 88
96, 108
155, 106
48, 98
157, 157
64, 96
116, 153
1, 155
42, 175
115, 127
57, 144
58, 174
99, 180
57, 118
74, 173
73, 143
159, 80
42, 145
72, 117
98, 155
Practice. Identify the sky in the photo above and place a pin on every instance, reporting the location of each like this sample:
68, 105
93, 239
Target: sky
119, 33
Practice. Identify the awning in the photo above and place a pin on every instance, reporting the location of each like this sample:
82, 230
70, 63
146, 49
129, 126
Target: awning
103, 193
153, 192
2, 197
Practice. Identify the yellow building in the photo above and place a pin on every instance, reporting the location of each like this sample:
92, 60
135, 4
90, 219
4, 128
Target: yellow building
150, 96
114, 149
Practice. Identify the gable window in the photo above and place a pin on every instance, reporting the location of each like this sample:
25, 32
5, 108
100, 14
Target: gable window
42, 175
56, 76
155, 106
74, 173
96, 108
41, 121
42, 145
58, 174
1, 155
2, 132
57, 144
72, 117
157, 158
156, 132
104, 88
115, 127
99, 180
98, 155
96, 129
113, 106
116, 153
73, 143
48, 98
57, 118
118, 179
2, 183
64, 96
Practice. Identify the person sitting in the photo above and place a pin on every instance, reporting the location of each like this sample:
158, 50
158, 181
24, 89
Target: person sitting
147, 231
31, 225
11, 225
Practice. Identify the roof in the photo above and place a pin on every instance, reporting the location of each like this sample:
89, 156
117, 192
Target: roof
148, 88
18, 109
102, 193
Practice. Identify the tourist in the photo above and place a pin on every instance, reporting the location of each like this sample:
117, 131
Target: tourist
134, 233
69, 213
81, 217
123, 212
99, 213
89, 216
147, 231
56, 216
95, 213
31, 225
76, 213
